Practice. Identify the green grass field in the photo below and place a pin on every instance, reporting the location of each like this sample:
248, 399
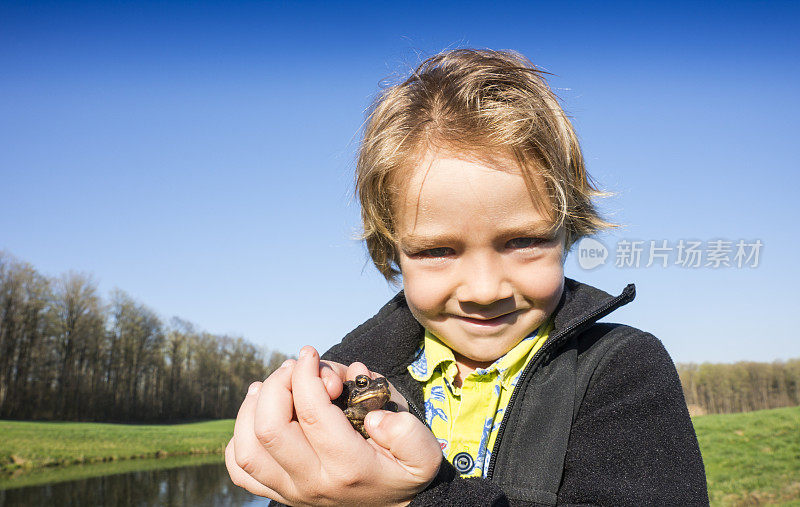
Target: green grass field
751, 458
31, 445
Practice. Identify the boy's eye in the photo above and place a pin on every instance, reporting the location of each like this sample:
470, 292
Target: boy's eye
436, 252
522, 242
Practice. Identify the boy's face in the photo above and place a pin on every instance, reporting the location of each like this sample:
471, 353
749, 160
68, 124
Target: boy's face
480, 269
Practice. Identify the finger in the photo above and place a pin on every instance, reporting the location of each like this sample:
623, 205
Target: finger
332, 375
407, 439
243, 480
356, 369
248, 453
323, 424
274, 400
289, 363
275, 427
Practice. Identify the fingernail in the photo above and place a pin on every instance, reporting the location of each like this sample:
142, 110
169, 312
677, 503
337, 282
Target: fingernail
253, 389
306, 351
376, 417
286, 363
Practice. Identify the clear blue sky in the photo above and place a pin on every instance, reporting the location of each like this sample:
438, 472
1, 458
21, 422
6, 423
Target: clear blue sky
199, 155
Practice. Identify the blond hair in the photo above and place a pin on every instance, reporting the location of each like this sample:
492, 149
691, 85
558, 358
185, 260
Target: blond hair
477, 102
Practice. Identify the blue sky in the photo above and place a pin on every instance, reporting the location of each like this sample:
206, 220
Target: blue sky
199, 155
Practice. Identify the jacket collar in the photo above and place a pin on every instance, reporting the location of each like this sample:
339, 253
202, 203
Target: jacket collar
399, 334
582, 305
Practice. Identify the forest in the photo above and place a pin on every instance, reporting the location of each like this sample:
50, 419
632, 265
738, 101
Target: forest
719, 388
66, 353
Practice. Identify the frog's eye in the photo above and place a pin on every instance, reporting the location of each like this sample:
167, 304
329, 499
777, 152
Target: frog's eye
362, 381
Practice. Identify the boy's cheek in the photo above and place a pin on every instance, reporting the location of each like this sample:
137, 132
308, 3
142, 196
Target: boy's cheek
545, 289
422, 292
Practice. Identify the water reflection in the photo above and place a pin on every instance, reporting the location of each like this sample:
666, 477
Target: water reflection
204, 485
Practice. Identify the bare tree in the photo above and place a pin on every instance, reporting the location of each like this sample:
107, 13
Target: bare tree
65, 354
742, 386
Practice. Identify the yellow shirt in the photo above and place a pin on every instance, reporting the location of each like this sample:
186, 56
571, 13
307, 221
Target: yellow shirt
465, 419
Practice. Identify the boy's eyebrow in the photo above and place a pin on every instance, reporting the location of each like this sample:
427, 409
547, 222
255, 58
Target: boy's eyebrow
538, 229
417, 241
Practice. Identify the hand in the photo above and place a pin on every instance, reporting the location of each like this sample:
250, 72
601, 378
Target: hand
317, 457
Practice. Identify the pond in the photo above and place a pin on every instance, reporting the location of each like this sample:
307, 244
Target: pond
169, 482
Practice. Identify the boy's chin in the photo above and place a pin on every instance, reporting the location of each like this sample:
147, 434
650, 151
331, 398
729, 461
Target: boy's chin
474, 363
483, 356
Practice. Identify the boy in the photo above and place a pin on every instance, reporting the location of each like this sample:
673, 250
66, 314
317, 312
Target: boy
473, 188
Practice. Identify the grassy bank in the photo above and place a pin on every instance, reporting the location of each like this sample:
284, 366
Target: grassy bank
752, 458
32, 445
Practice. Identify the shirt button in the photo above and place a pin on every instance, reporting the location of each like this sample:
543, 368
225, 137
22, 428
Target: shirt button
463, 462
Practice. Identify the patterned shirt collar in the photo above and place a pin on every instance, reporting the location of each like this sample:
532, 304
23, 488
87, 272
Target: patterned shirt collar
433, 353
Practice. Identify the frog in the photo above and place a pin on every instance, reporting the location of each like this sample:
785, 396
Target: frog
364, 395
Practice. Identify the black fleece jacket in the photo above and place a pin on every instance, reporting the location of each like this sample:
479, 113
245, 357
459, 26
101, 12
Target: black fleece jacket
597, 417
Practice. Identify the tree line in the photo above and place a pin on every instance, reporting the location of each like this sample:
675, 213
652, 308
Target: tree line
740, 387
66, 353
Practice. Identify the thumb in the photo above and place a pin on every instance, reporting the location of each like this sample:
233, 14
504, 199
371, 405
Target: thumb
408, 440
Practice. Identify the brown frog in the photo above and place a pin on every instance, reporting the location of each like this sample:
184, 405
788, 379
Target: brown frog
363, 395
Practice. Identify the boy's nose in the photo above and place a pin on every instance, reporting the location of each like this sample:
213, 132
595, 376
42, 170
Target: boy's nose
483, 282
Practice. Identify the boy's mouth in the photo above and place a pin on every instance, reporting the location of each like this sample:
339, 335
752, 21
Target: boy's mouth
493, 321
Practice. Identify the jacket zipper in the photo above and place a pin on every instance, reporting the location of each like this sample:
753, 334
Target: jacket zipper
414, 410
550, 344
412, 407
